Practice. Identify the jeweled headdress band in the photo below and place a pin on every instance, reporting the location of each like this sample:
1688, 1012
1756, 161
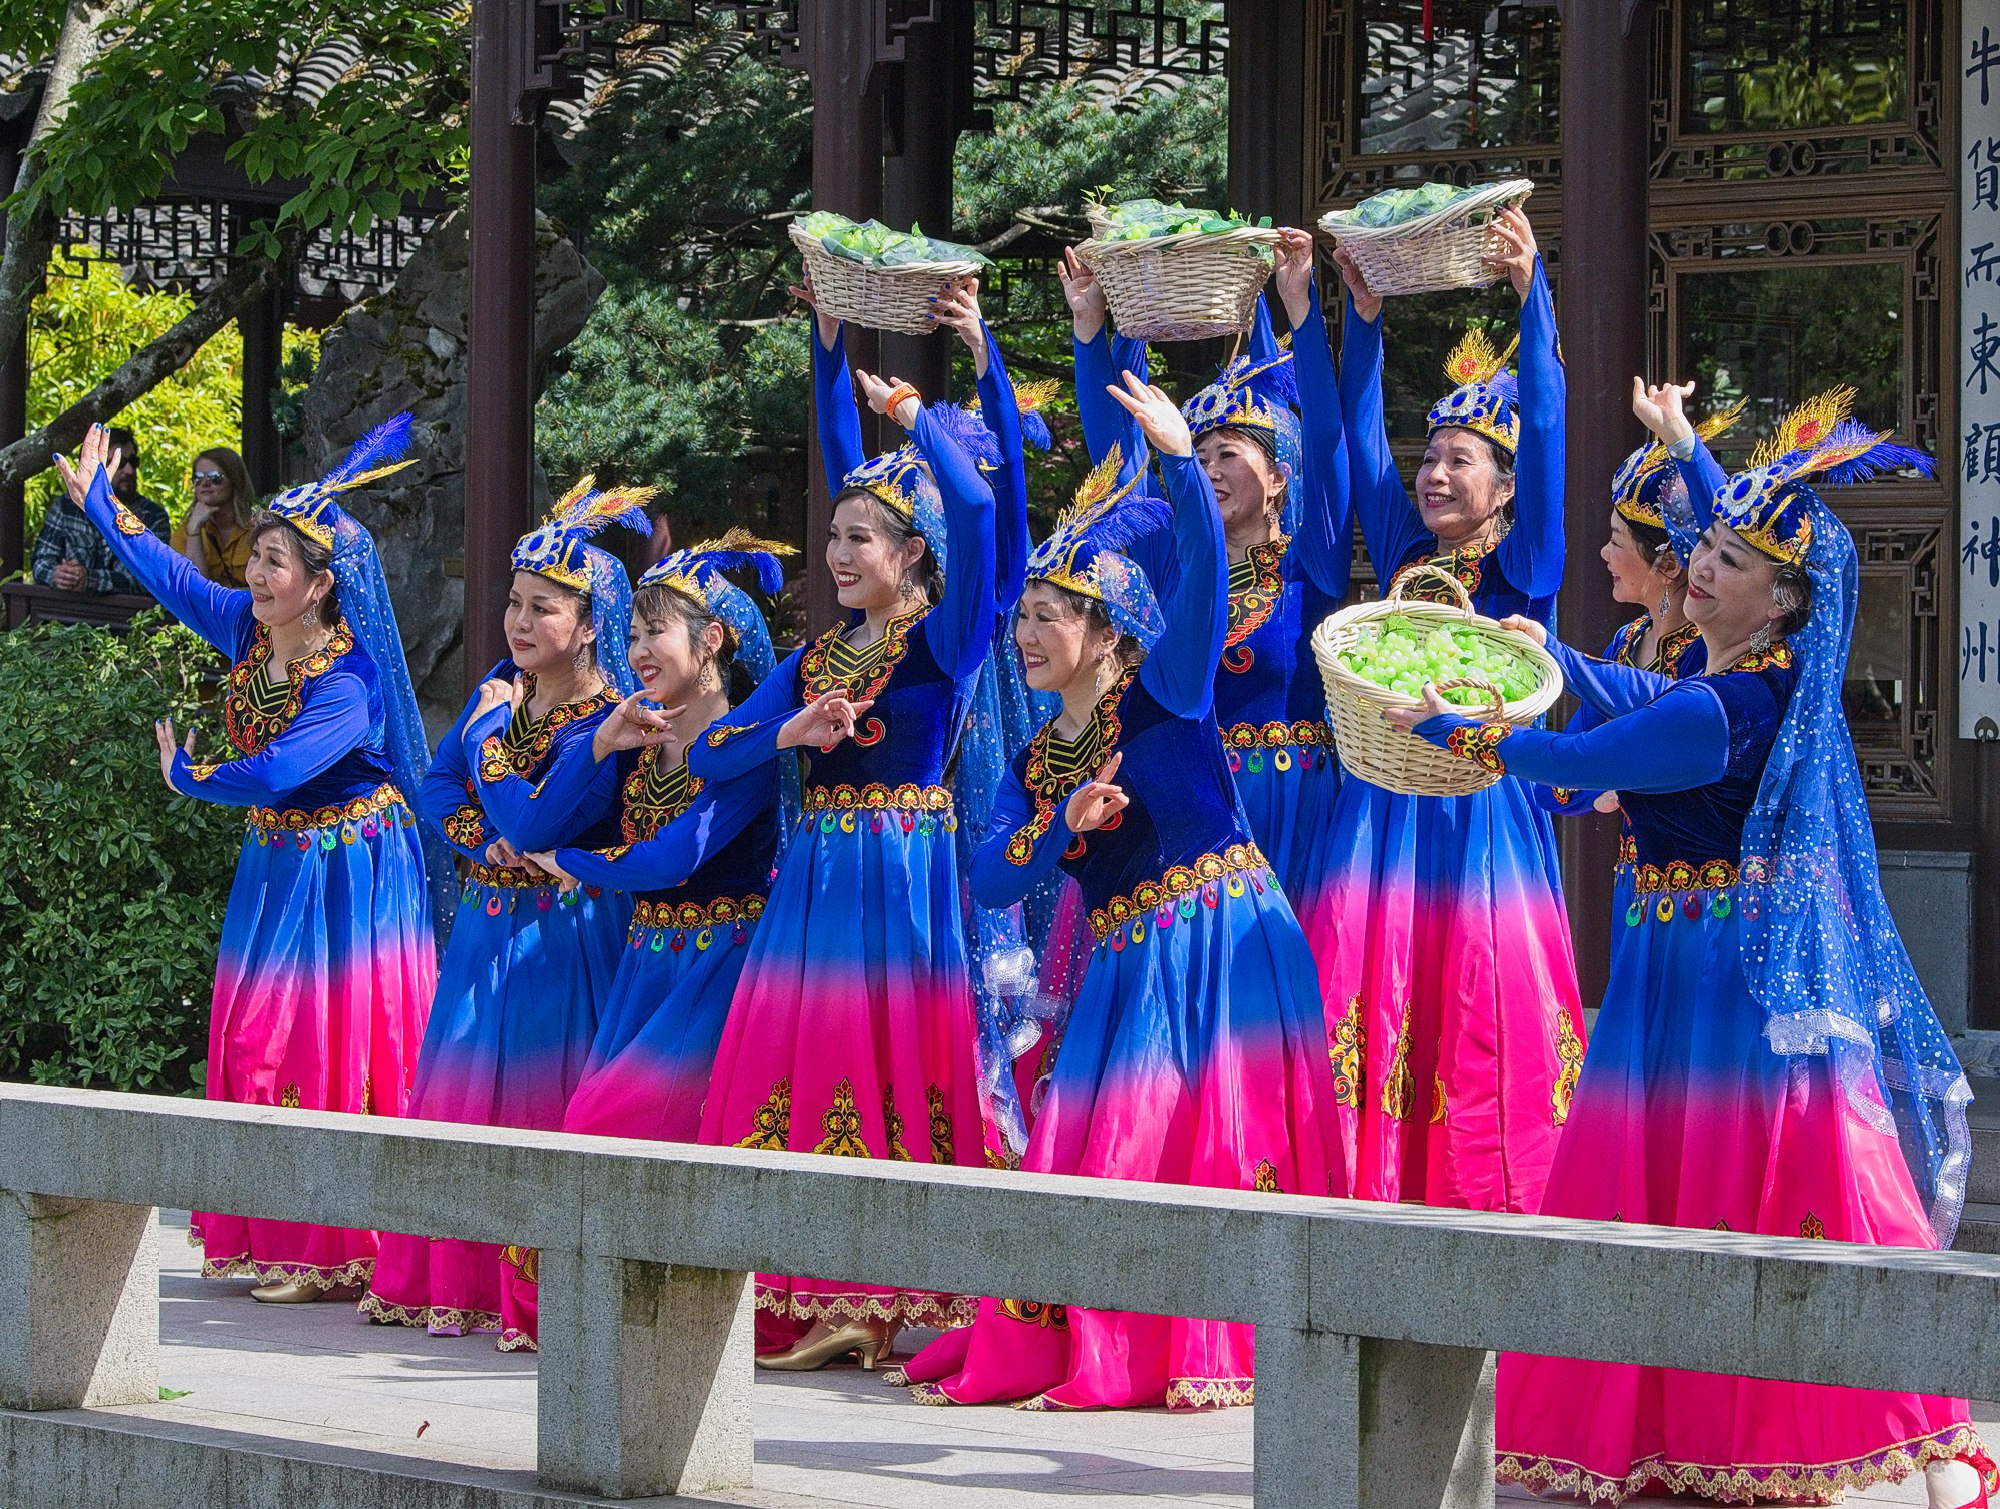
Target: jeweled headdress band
310, 508
554, 548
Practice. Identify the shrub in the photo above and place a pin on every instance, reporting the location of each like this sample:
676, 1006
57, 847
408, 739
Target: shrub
111, 888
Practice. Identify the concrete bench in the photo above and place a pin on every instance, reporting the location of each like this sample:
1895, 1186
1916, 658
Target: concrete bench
1374, 1322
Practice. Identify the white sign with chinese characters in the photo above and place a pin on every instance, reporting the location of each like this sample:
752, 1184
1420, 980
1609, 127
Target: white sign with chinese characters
1979, 372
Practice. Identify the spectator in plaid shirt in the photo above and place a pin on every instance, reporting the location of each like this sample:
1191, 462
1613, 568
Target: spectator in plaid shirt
72, 555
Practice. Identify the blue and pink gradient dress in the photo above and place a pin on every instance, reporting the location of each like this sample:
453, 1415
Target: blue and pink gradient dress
1685, 1116
328, 960
696, 857
1195, 1051
521, 982
1450, 985
852, 1030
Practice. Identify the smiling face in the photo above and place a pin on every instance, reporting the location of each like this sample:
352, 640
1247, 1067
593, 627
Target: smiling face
669, 657
1060, 647
548, 626
1729, 587
1638, 576
282, 586
1460, 488
1248, 484
869, 561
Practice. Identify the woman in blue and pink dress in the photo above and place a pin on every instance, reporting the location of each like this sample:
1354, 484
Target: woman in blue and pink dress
527, 965
1195, 1051
852, 1030
1444, 948
328, 958
695, 855
1763, 1037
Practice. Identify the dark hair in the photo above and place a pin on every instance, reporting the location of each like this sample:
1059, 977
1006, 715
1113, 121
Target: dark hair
1096, 618
900, 529
242, 491
1792, 590
125, 443
314, 557
659, 604
1650, 538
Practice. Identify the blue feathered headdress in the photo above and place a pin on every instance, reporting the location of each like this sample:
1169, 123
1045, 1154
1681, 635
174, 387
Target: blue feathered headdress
1083, 552
555, 548
310, 508
1770, 504
1487, 397
696, 573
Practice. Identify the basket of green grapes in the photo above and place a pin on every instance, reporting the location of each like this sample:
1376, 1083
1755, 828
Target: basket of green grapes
881, 278
1424, 239
1379, 655
1171, 273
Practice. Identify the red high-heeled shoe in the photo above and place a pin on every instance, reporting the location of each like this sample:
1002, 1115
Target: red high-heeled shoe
1989, 1477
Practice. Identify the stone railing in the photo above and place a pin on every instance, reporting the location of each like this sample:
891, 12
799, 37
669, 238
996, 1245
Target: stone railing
1373, 1321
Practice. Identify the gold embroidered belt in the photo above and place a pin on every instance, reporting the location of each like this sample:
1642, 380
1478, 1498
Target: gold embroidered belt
916, 806
361, 818
1236, 867
689, 914
1281, 738
1713, 879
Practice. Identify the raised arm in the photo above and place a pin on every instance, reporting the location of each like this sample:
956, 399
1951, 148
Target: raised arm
747, 735
336, 717
1704, 477
1325, 526
1180, 669
1390, 526
712, 822
1531, 553
960, 628
1675, 743
1611, 689
1018, 852
834, 411
998, 407
219, 615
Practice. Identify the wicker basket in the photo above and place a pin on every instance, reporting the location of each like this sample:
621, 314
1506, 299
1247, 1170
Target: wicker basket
881, 298
1189, 287
1433, 252
1377, 750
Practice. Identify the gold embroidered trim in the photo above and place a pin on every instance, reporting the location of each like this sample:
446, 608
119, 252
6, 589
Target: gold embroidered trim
1399, 1090
300, 819
433, 1318
527, 741
842, 1125
771, 1124
687, 914
1569, 1053
1463, 563
910, 1308
1180, 880
941, 1138
859, 674
1682, 875
1276, 735
254, 712
1348, 1053
655, 797
1255, 585
357, 1272
1736, 1485
508, 878
1479, 743
1056, 768
1210, 1393
908, 797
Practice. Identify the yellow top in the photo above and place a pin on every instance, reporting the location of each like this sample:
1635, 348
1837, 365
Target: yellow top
228, 549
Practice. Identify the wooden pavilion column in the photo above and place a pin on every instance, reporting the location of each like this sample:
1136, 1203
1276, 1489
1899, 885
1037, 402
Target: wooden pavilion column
500, 334
263, 329
1268, 53
13, 413
838, 43
1602, 314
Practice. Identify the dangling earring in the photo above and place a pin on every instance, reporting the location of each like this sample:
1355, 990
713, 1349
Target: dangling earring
1761, 640
310, 618
1666, 603
582, 655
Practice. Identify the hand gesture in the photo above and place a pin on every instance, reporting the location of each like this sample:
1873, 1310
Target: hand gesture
163, 735
493, 693
1157, 415
826, 325
633, 725
1516, 253
545, 861
504, 855
70, 575
1087, 309
93, 456
1407, 718
1094, 802
1659, 408
1367, 303
823, 724
1606, 801
957, 308
1535, 631
1295, 273
878, 392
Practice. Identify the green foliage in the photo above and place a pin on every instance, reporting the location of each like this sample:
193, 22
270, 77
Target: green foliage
85, 323
363, 106
653, 393
1067, 144
111, 888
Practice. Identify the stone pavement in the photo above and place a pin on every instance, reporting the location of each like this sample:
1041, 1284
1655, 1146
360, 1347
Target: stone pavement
320, 1374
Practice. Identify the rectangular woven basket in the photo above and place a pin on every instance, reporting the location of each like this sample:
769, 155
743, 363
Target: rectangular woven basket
1189, 287
896, 298
1434, 252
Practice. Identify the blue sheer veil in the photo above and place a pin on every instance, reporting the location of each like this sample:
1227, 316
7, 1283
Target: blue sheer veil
611, 617
1820, 950
364, 603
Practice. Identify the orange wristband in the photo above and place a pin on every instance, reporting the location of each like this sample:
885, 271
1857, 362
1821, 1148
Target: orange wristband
901, 392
